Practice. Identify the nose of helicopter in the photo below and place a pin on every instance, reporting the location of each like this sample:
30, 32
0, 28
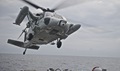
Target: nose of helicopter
77, 26
73, 28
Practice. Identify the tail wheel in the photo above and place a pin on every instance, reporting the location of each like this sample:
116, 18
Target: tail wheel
24, 51
59, 44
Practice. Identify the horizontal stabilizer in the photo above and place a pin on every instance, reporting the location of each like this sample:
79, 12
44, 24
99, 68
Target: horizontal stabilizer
16, 43
21, 44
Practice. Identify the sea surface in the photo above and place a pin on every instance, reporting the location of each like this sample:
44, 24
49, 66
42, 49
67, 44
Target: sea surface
19, 62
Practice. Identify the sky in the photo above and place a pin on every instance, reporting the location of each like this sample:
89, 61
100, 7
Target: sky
99, 35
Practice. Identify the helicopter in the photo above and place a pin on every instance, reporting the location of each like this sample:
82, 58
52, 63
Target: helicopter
42, 28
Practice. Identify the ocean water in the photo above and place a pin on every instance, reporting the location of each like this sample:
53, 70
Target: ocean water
17, 62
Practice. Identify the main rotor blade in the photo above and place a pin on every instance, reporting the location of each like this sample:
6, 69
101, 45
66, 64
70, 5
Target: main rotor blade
69, 3
34, 5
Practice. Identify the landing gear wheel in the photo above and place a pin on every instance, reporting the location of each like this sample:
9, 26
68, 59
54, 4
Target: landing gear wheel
24, 51
59, 44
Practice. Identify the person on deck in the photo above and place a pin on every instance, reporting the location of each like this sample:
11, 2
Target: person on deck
97, 69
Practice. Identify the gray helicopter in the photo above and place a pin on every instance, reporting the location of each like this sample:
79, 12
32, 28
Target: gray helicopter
42, 28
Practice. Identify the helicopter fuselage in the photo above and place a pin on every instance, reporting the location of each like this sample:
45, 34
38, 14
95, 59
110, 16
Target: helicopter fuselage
43, 28
47, 28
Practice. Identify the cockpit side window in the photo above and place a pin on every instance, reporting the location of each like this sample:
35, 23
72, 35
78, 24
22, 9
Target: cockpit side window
58, 16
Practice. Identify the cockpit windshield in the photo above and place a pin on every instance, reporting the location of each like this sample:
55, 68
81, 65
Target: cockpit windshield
48, 14
54, 15
58, 16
